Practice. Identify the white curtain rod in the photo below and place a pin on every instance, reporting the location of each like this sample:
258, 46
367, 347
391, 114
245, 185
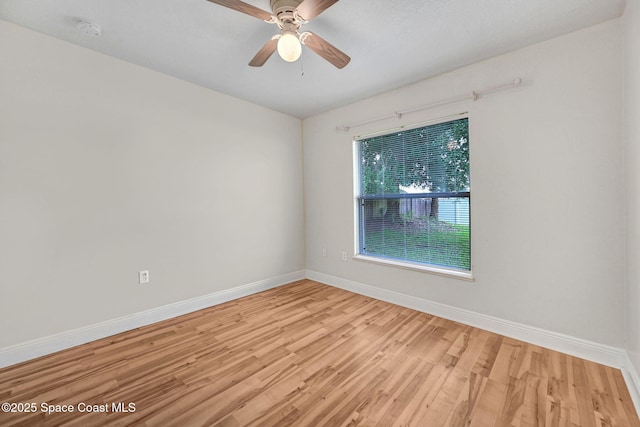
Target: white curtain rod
474, 95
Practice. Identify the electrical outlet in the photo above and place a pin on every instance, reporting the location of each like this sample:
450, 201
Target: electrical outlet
324, 252
344, 256
143, 276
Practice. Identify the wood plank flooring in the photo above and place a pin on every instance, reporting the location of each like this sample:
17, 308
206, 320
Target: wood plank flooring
307, 354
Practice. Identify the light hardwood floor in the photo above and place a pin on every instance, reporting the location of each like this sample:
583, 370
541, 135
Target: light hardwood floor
307, 354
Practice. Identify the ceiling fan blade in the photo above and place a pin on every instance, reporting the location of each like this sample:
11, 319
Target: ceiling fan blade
325, 49
243, 7
309, 9
265, 53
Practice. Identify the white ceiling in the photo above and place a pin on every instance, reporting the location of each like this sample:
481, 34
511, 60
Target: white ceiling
391, 42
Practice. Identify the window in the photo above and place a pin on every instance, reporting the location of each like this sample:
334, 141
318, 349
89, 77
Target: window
413, 195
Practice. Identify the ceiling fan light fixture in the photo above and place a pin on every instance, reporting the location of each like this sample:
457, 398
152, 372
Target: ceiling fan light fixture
289, 47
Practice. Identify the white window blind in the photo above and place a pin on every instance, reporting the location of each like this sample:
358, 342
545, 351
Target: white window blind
414, 195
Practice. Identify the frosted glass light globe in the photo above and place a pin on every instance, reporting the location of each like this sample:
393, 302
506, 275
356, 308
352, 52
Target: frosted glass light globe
289, 47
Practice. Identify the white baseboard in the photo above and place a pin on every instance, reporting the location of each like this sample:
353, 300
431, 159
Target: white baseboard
61, 341
600, 353
632, 379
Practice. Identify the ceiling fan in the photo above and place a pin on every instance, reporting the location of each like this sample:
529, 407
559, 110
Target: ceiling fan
290, 15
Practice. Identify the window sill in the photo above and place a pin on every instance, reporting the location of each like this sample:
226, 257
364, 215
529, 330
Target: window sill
456, 274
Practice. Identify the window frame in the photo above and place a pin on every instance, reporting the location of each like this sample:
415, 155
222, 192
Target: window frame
358, 206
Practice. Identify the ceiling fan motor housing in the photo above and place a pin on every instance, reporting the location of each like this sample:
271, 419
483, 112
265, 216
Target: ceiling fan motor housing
283, 9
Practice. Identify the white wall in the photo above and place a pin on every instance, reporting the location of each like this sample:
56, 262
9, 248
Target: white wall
632, 155
547, 187
107, 168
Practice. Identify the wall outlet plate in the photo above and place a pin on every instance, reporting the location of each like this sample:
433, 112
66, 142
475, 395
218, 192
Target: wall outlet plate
143, 276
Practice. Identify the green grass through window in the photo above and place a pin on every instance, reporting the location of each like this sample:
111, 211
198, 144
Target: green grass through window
430, 242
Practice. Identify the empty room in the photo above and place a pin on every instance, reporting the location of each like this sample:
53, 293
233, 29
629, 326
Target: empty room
320, 213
